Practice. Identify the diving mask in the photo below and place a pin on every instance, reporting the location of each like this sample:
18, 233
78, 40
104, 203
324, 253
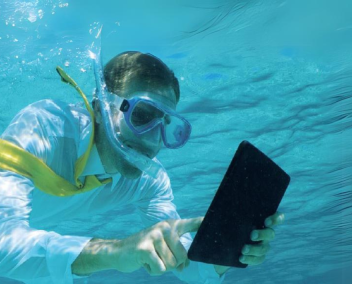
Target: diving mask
142, 114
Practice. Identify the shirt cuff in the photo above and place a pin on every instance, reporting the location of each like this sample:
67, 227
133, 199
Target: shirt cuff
62, 251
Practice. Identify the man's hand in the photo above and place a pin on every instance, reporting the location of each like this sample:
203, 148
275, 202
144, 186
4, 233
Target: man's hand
158, 249
255, 254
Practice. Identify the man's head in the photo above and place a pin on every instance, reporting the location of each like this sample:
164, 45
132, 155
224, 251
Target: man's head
130, 68
126, 75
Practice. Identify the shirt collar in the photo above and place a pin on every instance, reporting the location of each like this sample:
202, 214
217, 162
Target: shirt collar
94, 165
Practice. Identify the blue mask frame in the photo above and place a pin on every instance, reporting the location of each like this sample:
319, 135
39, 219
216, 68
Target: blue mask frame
174, 136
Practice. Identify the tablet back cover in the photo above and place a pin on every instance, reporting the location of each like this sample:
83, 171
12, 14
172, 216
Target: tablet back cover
250, 191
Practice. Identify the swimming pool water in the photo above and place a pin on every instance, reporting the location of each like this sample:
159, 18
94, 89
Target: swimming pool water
275, 73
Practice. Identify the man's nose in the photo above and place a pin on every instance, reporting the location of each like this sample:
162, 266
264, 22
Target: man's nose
153, 138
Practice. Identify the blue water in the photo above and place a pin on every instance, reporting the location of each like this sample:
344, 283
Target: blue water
275, 73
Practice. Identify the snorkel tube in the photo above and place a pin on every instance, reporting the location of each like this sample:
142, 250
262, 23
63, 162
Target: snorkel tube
107, 101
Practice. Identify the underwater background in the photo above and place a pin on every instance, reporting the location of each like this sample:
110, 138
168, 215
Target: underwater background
276, 73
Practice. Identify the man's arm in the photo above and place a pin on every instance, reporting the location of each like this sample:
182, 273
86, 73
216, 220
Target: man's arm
28, 254
97, 255
158, 249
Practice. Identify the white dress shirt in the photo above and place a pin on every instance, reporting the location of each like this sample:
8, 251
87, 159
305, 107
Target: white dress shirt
30, 249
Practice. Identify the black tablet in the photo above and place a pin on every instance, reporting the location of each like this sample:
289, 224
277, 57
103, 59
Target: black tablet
250, 191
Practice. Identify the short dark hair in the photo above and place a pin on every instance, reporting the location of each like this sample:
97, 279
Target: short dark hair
147, 68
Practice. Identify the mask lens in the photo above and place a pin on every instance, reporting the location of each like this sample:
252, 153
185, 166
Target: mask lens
144, 114
176, 131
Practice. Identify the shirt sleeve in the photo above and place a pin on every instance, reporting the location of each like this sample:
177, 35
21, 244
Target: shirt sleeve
28, 254
156, 205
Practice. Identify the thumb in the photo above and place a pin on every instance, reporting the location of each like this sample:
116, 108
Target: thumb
188, 225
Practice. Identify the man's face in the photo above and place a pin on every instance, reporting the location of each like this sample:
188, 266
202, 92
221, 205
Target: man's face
148, 143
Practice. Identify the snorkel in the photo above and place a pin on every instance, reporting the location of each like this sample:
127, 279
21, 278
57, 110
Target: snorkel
108, 102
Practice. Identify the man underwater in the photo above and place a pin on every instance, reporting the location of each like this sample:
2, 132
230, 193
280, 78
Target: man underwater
132, 122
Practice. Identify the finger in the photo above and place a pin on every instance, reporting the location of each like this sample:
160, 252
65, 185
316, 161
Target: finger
180, 267
147, 267
187, 262
274, 220
188, 225
165, 254
153, 264
267, 234
252, 260
256, 250
173, 241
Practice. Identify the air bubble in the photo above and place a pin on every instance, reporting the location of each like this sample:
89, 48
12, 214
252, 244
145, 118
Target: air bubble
32, 18
40, 14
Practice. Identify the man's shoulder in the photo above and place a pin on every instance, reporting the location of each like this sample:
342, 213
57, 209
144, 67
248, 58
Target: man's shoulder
48, 119
56, 107
58, 113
